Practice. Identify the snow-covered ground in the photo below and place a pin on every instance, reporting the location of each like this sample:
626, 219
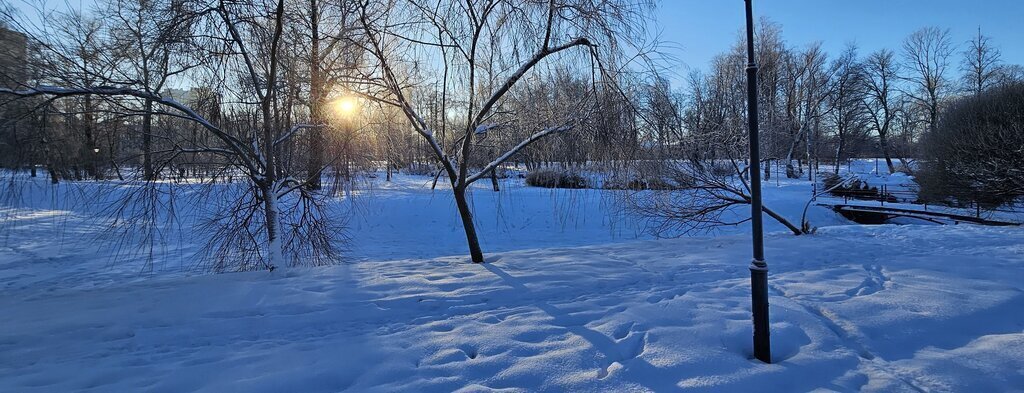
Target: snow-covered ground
571, 299
406, 219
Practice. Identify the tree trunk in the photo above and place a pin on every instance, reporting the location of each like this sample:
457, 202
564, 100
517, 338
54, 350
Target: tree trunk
782, 220
89, 149
268, 184
883, 141
47, 157
791, 172
267, 188
316, 98
467, 224
270, 209
494, 181
316, 155
147, 141
839, 152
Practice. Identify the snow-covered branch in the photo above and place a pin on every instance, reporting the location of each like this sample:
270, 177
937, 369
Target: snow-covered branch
296, 128
523, 69
483, 128
391, 80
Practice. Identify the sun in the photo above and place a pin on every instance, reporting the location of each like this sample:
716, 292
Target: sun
346, 106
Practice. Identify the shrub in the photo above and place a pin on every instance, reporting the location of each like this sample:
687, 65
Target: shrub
548, 178
976, 153
639, 184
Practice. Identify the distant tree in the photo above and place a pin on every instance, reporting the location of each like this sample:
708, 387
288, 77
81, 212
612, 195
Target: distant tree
332, 31
908, 125
926, 54
976, 152
716, 106
153, 41
880, 77
981, 65
847, 103
76, 54
661, 108
472, 43
770, 52
807, 92
1011, 73
274, 212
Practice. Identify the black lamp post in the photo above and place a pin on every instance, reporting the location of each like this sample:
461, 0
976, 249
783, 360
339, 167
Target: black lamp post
758, 267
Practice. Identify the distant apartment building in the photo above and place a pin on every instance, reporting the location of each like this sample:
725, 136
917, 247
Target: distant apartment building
13, 75
13, 58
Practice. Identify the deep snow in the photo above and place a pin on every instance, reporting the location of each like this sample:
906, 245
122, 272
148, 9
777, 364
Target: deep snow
581, 304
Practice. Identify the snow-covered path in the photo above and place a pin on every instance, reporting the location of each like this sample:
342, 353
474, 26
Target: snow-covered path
886, 308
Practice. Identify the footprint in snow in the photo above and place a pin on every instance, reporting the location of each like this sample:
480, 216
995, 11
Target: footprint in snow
622, 331
470, 351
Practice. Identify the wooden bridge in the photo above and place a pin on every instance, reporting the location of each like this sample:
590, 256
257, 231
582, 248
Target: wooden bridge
881, 214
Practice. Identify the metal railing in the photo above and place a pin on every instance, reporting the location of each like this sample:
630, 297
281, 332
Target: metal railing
909, 194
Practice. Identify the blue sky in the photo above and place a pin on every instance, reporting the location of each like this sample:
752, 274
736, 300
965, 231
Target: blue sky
700, 29
697, 30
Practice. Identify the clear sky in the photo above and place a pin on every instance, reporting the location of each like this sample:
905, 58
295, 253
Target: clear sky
700, 29
697, 30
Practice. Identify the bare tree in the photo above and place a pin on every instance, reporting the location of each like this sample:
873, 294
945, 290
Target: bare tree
881, 73
249, 139
153, 42
662, 109
466, 37
806, 93
332, 55
700, 187
926, 53
981, 64
697, 194
847, 104
78, 50
771, 53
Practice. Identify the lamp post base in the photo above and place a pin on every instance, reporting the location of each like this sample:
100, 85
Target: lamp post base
759, 306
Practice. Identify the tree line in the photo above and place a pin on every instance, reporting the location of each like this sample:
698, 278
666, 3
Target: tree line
294, 100
821, 108
280, 95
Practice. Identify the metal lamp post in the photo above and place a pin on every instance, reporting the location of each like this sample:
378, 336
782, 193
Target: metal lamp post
758, 267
